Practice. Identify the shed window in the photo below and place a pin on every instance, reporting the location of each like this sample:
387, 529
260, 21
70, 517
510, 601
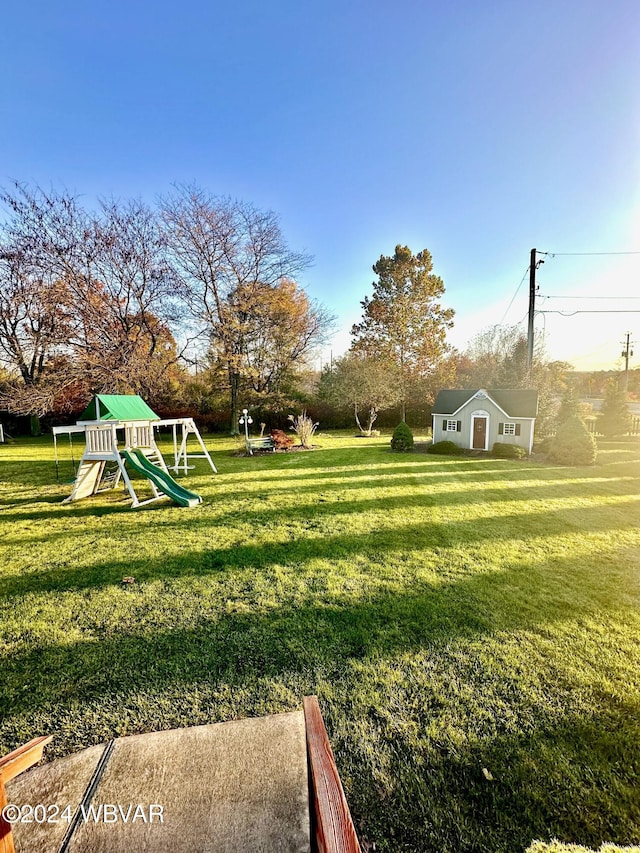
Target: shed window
509, 429
453, 426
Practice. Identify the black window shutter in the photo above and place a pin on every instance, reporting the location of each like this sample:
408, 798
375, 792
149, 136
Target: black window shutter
500, 429
459, 426
444, 425
517, 429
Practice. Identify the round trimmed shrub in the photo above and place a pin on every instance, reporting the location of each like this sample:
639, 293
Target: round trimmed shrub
573, 444
402, 438
445, 448
502, 450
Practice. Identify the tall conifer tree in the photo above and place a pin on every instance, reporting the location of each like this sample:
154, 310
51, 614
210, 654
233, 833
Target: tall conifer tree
404, 322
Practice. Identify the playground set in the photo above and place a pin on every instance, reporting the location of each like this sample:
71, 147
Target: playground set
119, 431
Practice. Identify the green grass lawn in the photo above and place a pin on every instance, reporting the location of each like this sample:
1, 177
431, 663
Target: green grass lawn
453, 615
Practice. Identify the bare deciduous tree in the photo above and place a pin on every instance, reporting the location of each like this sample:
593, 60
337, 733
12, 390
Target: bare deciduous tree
85, 298
130, 302
228, 252
90, 299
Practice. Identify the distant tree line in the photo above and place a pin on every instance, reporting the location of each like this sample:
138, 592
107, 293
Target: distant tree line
194, 304
123, 298
594, 383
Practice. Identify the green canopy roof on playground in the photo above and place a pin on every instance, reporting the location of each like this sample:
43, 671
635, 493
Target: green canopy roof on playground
118, 407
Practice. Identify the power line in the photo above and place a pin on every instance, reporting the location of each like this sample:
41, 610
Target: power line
514, 296
533, 292
592, 311
544, 296
576, 254
563, 254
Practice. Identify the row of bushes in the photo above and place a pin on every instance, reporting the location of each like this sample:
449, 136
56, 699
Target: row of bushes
499, 449
402, 440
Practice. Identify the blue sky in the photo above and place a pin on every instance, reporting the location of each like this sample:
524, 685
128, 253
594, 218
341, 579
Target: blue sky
478, 130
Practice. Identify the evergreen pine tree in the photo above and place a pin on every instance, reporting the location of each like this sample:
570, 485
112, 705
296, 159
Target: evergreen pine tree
614, 418
402, 438
404, 323
573, 444
569, 406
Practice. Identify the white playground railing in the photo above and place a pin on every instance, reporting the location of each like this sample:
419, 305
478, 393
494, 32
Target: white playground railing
101, 439
139, 435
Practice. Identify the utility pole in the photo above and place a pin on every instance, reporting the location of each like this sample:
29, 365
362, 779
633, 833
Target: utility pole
532, 308
627, 352
533, 266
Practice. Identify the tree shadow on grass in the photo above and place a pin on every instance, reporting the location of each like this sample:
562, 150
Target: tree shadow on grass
326, 632
572, 778
429, 477
31, 470
83, 509
332, 503
12, 502
326, 503
28, 472
443, 534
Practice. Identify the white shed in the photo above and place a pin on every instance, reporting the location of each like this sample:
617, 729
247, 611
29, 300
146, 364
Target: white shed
478, 418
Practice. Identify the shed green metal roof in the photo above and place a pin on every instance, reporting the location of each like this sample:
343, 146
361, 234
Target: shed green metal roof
118, 407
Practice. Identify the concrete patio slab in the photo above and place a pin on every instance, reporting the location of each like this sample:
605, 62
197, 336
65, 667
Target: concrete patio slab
225, 788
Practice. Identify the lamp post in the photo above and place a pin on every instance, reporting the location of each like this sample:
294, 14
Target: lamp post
246, 419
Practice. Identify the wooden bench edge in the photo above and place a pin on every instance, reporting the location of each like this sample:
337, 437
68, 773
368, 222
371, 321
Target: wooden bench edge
332, 823
23, 757
12, 765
